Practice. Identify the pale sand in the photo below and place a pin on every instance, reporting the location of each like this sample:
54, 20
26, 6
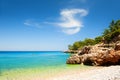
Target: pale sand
104, 73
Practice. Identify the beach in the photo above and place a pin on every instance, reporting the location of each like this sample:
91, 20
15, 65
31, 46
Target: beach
103, 73
50, 66
59, 40
49, 73
93, 73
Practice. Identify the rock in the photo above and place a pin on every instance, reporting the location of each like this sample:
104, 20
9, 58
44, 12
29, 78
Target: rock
74, 59
108, 57
116, 38
117, 45
85, 50
96, 55
88, 61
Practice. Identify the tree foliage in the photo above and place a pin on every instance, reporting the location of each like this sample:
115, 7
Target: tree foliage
80, 44
112, 31
108, 35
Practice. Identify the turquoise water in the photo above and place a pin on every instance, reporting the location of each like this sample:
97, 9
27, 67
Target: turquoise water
13, 60
35, 65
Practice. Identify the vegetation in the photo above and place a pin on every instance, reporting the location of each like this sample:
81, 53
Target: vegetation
107, 37
112, 31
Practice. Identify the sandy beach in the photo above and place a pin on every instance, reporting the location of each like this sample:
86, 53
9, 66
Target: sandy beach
100, 73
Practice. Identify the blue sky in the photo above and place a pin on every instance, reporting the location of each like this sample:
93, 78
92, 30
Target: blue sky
53, 24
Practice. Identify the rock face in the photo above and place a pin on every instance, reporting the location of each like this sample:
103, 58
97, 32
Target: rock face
117, 45
97, 55
85, 50
74, 59
108, 57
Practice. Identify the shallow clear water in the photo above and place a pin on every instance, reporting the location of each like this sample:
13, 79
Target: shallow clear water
12, 60
34, 64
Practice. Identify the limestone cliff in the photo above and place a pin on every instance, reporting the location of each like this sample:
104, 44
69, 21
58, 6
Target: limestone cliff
99, 54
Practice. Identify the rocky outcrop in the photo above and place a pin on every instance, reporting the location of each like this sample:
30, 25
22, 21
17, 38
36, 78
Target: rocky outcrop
108, 57
117, 46
85, 50
116, 38
97, 55
74, 59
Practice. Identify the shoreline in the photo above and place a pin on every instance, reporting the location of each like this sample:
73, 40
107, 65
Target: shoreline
46, 73
83, 73
90, 73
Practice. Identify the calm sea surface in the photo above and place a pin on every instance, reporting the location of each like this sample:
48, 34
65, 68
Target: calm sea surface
34, 65
13, 60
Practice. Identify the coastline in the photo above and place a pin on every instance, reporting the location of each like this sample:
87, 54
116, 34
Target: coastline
13, 68
47, 73
91, 73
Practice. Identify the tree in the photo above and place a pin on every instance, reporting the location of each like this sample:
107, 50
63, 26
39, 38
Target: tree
109, 35
70, 47
76, 45
112, 32
106, 32
112, 26
89, 41
98, 39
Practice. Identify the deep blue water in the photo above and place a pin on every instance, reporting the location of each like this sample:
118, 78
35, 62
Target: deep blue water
31, 59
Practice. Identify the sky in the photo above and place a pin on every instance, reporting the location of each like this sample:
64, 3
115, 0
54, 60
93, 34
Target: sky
51, 25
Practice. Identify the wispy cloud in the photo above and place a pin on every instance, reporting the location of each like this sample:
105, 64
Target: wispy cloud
32, 23
70, 20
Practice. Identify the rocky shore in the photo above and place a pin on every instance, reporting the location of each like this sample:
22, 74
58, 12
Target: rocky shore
98, 55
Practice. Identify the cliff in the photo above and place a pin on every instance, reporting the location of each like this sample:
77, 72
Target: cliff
99, 54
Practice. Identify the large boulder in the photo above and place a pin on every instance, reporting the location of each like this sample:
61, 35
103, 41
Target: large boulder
108, 57
74, 59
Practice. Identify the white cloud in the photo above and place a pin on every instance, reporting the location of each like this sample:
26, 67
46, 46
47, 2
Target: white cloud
71, 20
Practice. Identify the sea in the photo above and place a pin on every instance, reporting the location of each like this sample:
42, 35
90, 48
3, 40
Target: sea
31, 65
